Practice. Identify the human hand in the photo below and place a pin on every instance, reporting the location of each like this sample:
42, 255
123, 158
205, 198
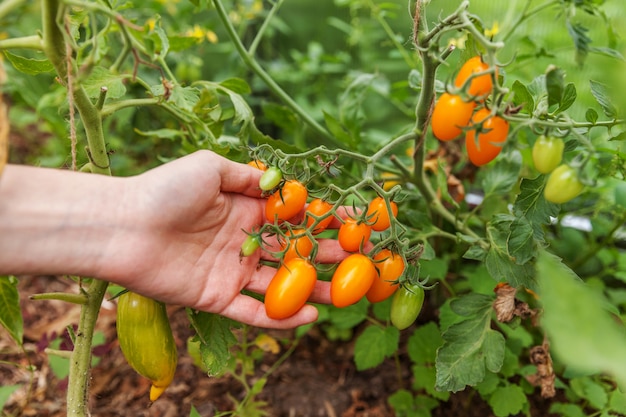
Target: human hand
182, 231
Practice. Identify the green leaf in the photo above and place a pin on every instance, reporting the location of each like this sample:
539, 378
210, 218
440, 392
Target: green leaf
555, 85
591, 116
236, 85
522, 97
591, 391
531, 205
601, 93
578, 33
215, 336
29, 66
569, 97
423, 344
617, 401
424, 378
349, 317
469, 346
374, 345
508, 400
521, 245
567, 410
586, 339
5, 393
503, 175
337, 129
103, 77
194, 412
10, 312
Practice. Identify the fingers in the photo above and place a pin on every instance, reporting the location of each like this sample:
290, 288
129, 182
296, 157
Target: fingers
234, 177
261, 279
248, 310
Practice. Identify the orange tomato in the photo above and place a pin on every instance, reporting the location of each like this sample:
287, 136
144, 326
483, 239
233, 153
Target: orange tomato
318, 207
390, 267
286, 202
352, 279
378, 214
479, 86
290, 288
450, 115
297, 247
353, 234
483, 147
258, 164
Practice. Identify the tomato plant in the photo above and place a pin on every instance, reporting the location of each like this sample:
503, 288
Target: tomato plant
479, 86
351, 280
296, 247
286, 202
353, 234
390, 267
450, 115
547, 153
378, 214
406, 305
318, 208
270, 179
146, 340
563, 185
486, 136
290, 288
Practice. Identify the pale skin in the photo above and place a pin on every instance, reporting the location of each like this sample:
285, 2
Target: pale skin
173, 233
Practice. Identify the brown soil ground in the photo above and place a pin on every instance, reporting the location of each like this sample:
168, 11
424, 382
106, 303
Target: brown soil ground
318, 379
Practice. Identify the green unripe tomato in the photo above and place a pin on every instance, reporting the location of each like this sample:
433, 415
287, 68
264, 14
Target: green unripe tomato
146, 340
250, 245
406, 305
563, 185
270, 179
547, 153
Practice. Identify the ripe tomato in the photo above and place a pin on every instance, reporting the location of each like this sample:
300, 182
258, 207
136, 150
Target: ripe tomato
318, 207
258, 164
390, 266
353, 234
297, 247
270, 178
352, 279
450, 114
547, 153
563, 185
479, 86
406, 305
488, 145
378, 214
286, 202
290, 288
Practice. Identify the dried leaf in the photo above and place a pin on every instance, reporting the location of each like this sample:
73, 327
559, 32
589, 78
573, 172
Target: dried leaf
540, 357
507, 306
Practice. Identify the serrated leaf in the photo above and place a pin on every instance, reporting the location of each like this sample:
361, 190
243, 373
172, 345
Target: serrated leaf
374, 345
531, 205
216, 338
523, 97
601, 93
476, 253
423, 344
567, 410
586, 339
471, 304
28, 65
508, 400
555, 85
591, 391
578, 33
10, 312
349, 317
611, 53
337, 129
103, 77
521, 242
620, 136
424, 378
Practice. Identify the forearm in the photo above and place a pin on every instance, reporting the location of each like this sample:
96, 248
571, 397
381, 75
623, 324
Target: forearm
54, 221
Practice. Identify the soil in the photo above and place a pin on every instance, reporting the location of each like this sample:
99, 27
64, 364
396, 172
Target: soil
318, 379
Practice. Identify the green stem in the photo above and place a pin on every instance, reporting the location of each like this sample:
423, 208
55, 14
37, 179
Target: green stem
62, 296
269, 81
263, 28
25, 42
526, 14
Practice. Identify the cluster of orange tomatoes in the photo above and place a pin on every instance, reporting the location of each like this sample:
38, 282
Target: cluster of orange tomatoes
358, 275
452, 116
